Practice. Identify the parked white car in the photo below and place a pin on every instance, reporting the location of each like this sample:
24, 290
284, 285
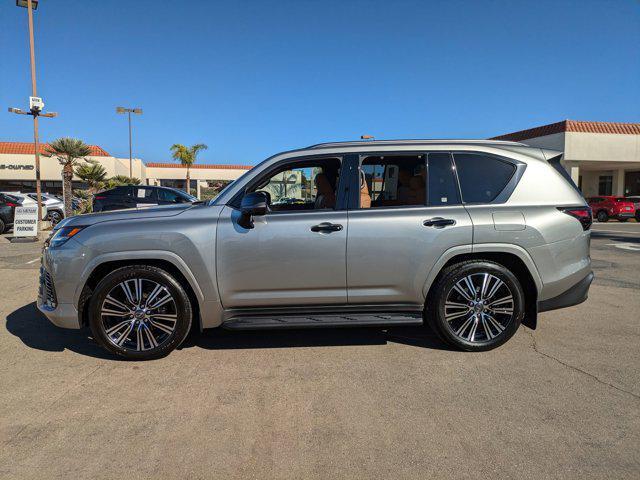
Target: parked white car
27, 200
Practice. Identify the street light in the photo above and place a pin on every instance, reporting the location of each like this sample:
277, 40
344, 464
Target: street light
25, 4
129, 111
36, 105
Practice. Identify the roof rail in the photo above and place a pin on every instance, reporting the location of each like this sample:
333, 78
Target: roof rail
413, 142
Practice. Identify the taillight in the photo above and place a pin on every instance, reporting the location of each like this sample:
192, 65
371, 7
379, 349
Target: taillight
99, 198
582, 214
11, 204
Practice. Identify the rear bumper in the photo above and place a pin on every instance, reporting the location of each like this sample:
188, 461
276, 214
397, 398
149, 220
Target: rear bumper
575, 295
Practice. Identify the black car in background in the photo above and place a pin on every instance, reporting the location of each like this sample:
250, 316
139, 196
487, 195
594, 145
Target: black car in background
8, 204
136, 196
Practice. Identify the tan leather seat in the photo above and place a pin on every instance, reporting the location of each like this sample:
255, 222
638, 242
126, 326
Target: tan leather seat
418, 190
365, 197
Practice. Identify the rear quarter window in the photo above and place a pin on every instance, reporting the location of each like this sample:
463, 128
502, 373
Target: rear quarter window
482, 177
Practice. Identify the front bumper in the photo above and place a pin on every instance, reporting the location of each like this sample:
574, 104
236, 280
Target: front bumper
575, 295
624, 215
59, 272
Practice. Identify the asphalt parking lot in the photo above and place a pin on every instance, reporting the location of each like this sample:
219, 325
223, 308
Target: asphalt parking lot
559, 402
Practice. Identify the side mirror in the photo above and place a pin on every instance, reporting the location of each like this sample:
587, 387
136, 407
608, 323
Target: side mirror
253, 204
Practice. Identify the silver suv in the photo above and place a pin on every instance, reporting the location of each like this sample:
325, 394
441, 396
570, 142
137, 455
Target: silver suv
471, 237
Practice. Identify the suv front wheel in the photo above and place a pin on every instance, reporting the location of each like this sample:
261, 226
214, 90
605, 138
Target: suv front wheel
477, 305
140, 312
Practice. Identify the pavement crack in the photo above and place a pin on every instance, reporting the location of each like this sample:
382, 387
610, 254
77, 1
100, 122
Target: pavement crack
535, 348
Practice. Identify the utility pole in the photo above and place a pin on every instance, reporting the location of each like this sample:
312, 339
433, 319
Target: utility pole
35, 103
129, 111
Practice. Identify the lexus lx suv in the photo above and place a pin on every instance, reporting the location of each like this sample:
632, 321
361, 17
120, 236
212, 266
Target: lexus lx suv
472, 238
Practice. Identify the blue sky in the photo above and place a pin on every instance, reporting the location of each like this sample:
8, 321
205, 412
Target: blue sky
253, 78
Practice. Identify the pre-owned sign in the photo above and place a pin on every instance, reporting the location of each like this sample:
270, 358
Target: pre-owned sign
25, 222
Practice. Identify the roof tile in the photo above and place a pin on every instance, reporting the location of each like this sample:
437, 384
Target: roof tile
27, 148
572, 126
201, 165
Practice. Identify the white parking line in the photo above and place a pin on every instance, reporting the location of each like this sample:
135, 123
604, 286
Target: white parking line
32, 261
625, 246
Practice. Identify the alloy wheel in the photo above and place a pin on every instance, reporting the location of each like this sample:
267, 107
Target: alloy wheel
479, 307
55, 217
139, 314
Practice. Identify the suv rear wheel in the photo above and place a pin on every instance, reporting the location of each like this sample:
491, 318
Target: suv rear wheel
477, 305
140, 312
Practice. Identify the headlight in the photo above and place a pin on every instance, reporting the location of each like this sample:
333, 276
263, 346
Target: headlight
63, 234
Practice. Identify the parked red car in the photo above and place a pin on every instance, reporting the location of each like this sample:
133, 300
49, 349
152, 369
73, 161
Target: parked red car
606, 207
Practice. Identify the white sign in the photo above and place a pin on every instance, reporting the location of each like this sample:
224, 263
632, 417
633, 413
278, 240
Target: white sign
25, 222
36, 102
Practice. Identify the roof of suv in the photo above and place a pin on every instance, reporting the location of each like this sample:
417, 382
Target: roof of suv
357, 143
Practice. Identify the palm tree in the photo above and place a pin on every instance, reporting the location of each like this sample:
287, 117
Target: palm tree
120, 180
93, 174
70, 152
187, 157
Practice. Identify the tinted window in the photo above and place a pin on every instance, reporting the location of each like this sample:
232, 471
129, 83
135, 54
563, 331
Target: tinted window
144, 193
443, 189
392, 180
171, 196
124, 191
482, 177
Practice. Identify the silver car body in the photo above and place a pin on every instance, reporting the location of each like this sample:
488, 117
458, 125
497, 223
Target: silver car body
381, 257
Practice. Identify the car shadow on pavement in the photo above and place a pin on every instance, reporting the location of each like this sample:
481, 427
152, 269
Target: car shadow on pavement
220, 339
35, 331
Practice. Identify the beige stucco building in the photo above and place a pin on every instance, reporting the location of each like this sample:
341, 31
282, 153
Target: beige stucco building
17, 170
603, 158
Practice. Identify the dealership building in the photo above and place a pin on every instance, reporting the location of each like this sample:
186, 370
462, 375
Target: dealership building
17, 170
603, 158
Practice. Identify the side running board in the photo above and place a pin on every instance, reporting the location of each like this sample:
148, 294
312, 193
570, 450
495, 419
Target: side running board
329, 320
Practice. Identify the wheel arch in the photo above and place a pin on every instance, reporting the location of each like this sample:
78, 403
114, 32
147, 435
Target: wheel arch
513, 257
99, 269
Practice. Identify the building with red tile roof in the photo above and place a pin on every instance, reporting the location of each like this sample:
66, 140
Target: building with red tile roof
603, 158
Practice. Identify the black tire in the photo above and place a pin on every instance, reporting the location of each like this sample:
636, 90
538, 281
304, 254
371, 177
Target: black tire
2, 226
602, 216
180, 308
637, 215
440, 299
55, 216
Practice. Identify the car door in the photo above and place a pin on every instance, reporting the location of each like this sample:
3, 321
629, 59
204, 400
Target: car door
295, 254
396, 235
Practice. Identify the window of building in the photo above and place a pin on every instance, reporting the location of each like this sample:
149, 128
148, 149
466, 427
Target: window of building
482, 177
306, 185
393, 180
443, 188
605, 184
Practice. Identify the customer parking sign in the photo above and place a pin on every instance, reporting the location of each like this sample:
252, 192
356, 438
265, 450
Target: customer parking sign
25, 222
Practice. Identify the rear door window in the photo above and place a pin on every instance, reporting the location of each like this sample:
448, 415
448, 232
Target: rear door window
482, 176
392, 180
443, 188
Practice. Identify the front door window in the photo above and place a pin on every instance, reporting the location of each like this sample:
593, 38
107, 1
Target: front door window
308, 185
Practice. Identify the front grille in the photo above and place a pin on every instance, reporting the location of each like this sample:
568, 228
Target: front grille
47, 291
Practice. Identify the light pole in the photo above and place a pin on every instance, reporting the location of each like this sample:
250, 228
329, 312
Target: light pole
129, 111
36, 105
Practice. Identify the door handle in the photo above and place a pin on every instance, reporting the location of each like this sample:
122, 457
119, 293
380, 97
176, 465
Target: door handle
326, 227
439, 222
